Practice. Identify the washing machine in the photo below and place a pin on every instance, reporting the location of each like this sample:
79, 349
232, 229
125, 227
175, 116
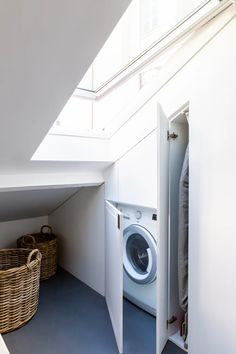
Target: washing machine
140, 256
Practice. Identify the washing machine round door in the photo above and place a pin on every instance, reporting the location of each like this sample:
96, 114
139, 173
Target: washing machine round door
139, 254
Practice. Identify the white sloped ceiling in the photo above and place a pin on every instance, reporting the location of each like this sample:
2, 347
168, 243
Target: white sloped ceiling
46, 48
32, 203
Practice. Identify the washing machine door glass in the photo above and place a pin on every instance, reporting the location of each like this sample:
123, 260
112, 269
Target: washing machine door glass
140, 254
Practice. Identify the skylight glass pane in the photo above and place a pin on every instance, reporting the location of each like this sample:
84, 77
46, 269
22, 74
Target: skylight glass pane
144, 22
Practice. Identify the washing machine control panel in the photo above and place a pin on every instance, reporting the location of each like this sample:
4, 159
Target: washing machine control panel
137, 215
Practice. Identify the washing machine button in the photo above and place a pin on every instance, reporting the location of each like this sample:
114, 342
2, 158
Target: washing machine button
127, 217
138, 214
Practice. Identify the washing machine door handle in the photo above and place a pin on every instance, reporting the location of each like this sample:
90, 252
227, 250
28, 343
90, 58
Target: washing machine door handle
149, 260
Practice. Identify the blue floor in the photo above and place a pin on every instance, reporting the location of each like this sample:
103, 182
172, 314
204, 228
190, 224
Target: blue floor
73, 319
139, 330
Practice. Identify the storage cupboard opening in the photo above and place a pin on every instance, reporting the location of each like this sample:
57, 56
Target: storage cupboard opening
72, 300
178, 230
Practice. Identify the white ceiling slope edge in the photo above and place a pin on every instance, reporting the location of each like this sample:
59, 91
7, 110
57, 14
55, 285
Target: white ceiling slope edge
19, 182
33, 203
46, 48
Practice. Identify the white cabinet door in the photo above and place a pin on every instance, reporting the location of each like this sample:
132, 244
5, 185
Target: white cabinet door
114, 271
162, 232
3, 348
176, 158
138, 174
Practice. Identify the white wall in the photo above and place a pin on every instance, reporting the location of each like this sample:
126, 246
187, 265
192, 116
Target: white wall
11, 230
73, 148
79, 224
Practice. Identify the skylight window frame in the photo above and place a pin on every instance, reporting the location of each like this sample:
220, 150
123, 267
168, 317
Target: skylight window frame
197, 18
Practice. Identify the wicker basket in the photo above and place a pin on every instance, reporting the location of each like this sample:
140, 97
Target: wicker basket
46, 242
19, 287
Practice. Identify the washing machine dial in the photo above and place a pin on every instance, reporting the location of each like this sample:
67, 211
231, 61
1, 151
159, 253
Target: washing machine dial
138, 214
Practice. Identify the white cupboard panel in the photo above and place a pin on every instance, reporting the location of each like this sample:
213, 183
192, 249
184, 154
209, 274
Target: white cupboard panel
138, 174
134, 130
114, 271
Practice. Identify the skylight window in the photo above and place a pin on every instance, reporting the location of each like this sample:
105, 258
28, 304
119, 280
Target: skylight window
142, 26
148, 35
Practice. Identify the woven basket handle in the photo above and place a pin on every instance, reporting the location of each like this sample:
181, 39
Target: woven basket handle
38, 255
46, 226
30, 238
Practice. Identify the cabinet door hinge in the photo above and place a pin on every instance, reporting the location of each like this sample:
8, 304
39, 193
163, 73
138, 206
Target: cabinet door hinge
172, 136
171, 320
